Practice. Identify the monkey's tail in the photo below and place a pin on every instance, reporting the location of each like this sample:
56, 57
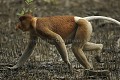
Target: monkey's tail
102, 17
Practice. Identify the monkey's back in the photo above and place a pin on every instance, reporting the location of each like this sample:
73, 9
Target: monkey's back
65, 26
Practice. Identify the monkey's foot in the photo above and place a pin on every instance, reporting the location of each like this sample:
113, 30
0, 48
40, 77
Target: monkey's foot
70, 68
98, 59
14, 67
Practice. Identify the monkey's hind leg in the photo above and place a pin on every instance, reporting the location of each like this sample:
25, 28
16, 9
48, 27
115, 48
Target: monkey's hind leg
97, 47
82, 36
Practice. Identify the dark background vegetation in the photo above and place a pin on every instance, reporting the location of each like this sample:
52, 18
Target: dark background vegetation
45, 62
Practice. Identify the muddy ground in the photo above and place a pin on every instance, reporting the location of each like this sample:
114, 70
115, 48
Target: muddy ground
45, 63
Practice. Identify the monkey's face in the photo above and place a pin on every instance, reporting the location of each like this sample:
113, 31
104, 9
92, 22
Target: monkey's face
23, 25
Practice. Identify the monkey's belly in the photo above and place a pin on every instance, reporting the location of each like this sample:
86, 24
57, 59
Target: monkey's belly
69, 39
66, 31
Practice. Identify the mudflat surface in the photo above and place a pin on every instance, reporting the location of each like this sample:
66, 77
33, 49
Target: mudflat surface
45, 63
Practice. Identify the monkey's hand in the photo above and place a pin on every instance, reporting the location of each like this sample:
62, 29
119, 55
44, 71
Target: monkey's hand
14, 67
98, 59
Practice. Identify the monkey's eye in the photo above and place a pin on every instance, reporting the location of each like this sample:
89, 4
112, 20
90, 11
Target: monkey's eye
19, 20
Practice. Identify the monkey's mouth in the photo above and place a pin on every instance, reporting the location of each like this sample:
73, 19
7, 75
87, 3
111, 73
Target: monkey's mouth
19, 27
16, 28
23, 29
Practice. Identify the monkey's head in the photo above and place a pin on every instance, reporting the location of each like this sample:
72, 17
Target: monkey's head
25, 23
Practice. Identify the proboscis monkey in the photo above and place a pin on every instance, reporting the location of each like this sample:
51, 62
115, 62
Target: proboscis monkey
60, 31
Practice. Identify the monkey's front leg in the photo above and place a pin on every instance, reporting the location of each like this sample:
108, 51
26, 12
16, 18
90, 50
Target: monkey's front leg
60, 45
27, 53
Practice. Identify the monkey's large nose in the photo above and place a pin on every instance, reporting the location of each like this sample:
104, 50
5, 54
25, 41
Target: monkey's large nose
17, 27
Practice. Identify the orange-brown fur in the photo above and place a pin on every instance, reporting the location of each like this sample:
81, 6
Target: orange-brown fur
60, 30
65, 26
